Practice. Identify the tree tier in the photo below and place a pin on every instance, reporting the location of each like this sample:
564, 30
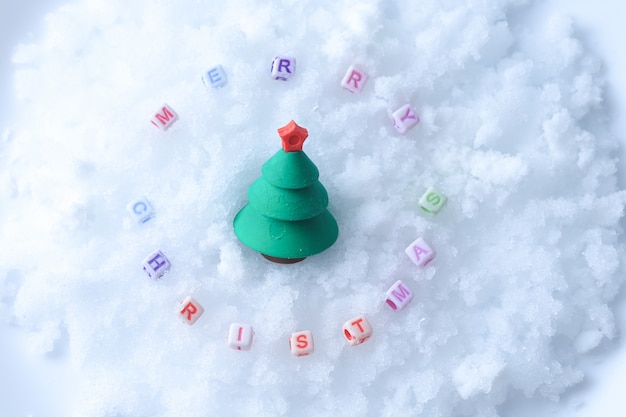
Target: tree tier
292, 170
285, 239
287, 204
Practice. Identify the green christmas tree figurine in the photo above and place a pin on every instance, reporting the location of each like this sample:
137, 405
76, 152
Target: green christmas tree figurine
286, 218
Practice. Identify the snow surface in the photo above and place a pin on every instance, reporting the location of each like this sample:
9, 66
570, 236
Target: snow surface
513, 130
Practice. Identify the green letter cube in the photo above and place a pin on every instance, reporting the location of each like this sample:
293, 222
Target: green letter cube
432, 201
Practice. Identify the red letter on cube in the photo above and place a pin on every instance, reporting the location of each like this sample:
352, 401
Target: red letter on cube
240, 336
164, 118
190, 310
301, 343
357, 330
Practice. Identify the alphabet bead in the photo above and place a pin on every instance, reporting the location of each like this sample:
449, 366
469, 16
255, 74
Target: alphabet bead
190, 310
420, 252
283, 67
357, 330
140, 209
398, 296
240, 336
301, 343
432, 201
214, 77
354, 80
156, 264
404, 118
164, 118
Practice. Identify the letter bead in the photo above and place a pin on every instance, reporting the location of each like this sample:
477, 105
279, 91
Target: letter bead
432, 201
301, 343
156, 264
140, 209
398, 296
354, 80
190, 310
420, 252
283, 67
240, 336
164, 118
214, 77
404, 118
357, 330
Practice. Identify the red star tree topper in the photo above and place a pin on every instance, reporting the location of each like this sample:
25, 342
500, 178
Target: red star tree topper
293, 137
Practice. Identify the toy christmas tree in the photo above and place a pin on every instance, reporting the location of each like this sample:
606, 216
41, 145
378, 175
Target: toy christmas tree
286, 218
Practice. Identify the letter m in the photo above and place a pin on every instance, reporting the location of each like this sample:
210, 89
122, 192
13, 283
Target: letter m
401, 293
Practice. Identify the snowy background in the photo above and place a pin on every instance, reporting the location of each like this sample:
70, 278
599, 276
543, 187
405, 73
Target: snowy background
520, 122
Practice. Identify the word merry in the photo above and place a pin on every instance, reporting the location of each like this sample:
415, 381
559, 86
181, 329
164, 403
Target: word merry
283, 68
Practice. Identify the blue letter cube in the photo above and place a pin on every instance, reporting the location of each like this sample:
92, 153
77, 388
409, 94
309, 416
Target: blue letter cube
214, 77
140, 209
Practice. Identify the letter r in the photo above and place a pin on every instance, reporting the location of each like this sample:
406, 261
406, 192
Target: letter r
355, 77
190, 309
284, 63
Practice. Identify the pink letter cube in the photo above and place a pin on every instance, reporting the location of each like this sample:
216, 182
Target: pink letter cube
404, 118
420, 252
354, 80
156, 264
283, 67
398, 296
164, 118
301, 343
190, 310
240, 336
357, 330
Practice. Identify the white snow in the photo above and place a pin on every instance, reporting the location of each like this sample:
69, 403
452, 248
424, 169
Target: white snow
513, 131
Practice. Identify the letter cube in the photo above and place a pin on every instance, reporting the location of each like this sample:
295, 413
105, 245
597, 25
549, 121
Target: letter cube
141, 210
357, 330
190, 311
404, 118
420, 252
156, 264
240, 336
354, 80
432, 201
164, 118
301, 343
398, 296
214, 77
283, 67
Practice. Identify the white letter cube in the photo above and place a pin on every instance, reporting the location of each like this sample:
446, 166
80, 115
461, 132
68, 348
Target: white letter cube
240, 336
404, 118
432, 201
156, 264
301, 343
190, 311
420, 252
354, 80
357, 330
164, 118
398, 296
141, 210
283, 67
215, 77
